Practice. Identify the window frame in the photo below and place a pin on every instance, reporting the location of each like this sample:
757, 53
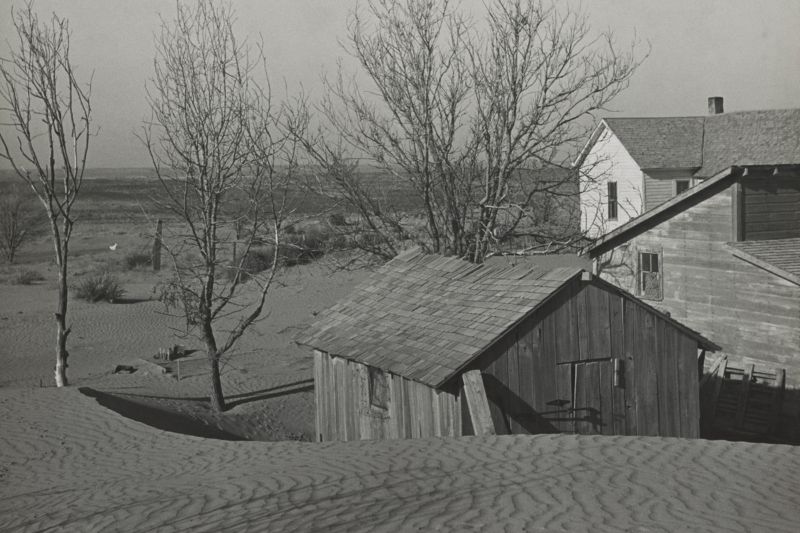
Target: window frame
639, 273
612, 204
378, 385
688, 183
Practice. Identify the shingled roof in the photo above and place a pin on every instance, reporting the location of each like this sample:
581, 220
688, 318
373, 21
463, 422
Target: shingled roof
711, 143
661, 142
750, 138
425, 316
779, 256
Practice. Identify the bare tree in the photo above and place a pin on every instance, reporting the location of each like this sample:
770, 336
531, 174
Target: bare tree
215, 142
472, 120
45, 137
19, 219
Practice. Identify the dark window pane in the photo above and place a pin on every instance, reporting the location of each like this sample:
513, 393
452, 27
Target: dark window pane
653, 262
612, 200
681, 185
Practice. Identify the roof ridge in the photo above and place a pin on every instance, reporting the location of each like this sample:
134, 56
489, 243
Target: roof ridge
651, 118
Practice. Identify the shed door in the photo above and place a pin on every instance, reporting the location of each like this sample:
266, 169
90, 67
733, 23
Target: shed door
592, 387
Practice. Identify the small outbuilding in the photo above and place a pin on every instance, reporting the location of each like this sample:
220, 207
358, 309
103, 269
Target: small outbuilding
437, 346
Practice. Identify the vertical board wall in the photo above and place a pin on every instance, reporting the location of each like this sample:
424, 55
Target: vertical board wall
555, 372
344, 411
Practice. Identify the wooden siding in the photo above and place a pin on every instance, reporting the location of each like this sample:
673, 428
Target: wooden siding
771, 208
344, 412
555, 371
659, 186
608, 160
752, 314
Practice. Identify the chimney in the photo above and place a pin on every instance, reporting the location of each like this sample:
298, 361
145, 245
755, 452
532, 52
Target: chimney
715, 105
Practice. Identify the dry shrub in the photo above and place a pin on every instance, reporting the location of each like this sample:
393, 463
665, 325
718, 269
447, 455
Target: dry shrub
28, 277
101, 287
138, 259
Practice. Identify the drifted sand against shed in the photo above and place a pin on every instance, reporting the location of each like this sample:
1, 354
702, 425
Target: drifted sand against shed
70, 464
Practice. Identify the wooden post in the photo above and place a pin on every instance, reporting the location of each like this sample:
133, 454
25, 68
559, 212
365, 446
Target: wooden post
744, 395
777, 406
712, 409
477, 403
156, 258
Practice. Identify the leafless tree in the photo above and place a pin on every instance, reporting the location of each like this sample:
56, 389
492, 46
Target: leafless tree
19, 219
45, 136
481, 123
215, 141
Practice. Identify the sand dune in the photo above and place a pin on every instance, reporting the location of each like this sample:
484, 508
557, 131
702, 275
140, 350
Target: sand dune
99, 471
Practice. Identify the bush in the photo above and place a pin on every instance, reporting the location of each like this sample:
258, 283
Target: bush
302, 248
337, 219
138, 259
28, 277
99, 287
258, 259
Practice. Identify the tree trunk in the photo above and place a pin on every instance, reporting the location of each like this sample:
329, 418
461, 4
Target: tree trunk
61, 328
217, 399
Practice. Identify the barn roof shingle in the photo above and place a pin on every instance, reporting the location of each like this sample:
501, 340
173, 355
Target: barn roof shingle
779, 256
425, 316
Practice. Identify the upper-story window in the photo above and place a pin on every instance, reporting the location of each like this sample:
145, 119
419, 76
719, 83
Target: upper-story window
612, 200
682, 185
649, 275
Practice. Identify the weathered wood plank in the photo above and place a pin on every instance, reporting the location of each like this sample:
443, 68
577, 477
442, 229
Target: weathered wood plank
561, 408
408, 414
663, 385
513, 407
584, 326
744, 394
477, 403
618, 390
690, 391
364, 418
319, 391
647, 386
606, 396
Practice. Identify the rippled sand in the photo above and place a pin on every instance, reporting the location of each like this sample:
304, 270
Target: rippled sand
70, 464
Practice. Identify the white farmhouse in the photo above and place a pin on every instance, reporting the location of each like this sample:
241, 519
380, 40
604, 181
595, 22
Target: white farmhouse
631, 165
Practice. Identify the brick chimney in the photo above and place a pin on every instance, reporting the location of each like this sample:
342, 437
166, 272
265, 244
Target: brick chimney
715, 105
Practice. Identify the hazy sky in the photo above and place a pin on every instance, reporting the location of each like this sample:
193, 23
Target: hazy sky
744, 50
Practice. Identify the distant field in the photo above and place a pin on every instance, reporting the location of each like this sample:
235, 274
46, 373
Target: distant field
133, 193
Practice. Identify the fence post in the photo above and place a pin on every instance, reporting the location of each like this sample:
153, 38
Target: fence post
156, 258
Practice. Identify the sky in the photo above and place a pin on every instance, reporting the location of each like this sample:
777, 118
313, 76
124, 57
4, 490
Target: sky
743, 50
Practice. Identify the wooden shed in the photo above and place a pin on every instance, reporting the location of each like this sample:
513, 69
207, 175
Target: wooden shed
558, 350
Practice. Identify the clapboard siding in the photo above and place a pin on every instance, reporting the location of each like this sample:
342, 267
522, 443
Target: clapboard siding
752, 314
771, 208
343, 410
608, 160
583, 328
659, 185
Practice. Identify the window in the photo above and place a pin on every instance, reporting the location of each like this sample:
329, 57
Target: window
682, 185
378, 389
612, 200
650, 275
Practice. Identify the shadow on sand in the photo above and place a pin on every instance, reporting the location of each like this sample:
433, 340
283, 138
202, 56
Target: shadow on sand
158, 418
